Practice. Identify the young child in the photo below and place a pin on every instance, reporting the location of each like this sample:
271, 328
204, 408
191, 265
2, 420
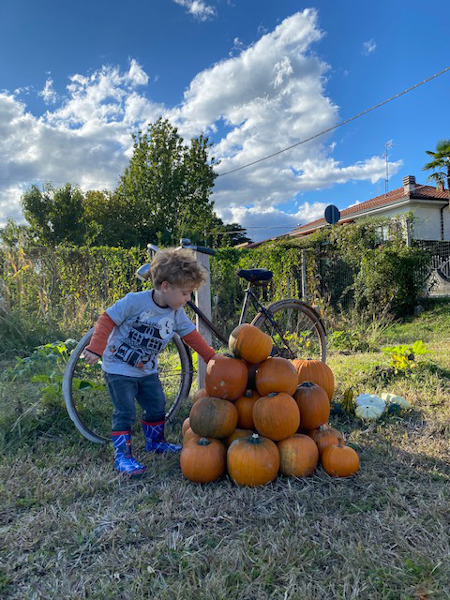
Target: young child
130, 335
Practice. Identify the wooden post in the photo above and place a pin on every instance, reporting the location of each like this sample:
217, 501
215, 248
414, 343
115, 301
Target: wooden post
203, 300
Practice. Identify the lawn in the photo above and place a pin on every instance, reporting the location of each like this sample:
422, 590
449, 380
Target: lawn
71, 529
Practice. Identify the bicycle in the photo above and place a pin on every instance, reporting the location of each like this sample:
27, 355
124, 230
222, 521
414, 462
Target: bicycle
296, 329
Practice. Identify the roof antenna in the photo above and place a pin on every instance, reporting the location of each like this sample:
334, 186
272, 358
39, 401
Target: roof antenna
388, 145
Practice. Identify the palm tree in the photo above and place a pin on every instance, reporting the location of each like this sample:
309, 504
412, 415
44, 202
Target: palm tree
440, 163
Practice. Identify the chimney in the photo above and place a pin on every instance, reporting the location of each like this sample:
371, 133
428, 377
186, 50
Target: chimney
409, 184
440, 186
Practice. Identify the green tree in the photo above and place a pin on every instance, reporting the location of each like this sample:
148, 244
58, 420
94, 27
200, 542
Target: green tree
164, 193
55, 215
440, 163
221, 235
14, 234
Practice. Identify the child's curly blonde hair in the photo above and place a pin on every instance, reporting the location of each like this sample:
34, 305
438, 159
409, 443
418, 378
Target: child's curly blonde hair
178, 267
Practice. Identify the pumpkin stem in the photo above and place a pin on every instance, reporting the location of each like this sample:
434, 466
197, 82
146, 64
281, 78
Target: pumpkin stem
255, 439
203, 442
307, 384
248, 393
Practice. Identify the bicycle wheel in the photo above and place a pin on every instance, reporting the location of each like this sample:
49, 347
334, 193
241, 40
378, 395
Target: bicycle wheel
86, 395
296, 329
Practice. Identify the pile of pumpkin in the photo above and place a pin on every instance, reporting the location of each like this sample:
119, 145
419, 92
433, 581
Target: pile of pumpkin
258, 416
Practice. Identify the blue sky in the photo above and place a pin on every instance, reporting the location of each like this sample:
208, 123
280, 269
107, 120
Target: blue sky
76, 79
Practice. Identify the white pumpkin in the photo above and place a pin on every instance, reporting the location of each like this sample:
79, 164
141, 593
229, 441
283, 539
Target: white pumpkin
394, 399
369, 412
372, 399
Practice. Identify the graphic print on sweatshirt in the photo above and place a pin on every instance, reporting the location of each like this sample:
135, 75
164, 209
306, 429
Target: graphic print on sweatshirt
145, 340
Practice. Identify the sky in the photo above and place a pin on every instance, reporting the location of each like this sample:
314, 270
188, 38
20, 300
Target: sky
256, 77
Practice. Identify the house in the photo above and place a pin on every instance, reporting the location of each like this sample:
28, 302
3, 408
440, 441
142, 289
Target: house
430, 206
430, 227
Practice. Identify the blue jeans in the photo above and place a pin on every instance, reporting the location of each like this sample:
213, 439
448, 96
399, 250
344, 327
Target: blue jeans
125, 390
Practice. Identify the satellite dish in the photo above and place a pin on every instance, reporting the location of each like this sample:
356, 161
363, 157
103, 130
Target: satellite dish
332, 214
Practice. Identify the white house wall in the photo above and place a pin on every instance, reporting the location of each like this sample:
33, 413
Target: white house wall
427, 222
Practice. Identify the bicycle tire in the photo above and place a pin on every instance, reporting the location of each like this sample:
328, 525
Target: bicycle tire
302, 328
87, 399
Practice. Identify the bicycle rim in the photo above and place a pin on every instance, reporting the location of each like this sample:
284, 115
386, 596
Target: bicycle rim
296, 329
86, 395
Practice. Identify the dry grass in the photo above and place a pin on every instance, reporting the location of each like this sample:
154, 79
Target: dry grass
71, 529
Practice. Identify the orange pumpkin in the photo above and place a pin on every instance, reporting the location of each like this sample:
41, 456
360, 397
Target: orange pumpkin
314, 405
325, 436
203, 460
190, 435
213, 417
340, 460
316, 371
244, 406
276, 416
185, 426
253, 460
200, 393
299, 456
276, 374
250, 343
226, 377
238, 433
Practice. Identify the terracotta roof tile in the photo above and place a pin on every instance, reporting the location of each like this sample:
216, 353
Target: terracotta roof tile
421, 192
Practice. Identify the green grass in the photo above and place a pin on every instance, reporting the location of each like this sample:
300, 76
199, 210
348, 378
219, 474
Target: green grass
70, 528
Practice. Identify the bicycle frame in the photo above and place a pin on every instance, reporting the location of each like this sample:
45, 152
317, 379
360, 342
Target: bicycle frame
249, 297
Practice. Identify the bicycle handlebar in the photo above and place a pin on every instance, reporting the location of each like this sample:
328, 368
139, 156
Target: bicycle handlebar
202, 249
185, 243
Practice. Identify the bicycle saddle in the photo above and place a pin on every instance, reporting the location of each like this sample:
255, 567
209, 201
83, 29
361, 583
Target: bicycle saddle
254, 275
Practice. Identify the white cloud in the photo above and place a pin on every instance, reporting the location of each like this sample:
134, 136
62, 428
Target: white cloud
369, 47
268, 97
198, 9
84, 140
272, 222
48, 93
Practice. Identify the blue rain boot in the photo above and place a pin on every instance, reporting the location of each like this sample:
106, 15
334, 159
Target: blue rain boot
154, 438
124, 461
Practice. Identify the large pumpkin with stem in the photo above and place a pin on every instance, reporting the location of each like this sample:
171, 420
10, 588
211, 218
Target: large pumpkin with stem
340, 460
253, 460
316, 371
299, 456
203, 460
276, 374
244, 406
314, 405
325, 436
213, 417
250, 343
276, 416
226, 377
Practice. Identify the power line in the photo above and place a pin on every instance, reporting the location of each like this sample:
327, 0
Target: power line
309, 139
313, 137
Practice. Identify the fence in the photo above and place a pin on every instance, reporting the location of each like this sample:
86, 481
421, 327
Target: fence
438, 283
71, 286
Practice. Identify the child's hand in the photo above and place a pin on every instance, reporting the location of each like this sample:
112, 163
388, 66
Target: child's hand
90, 357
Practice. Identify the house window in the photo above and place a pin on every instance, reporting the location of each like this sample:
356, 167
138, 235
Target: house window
381, 234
